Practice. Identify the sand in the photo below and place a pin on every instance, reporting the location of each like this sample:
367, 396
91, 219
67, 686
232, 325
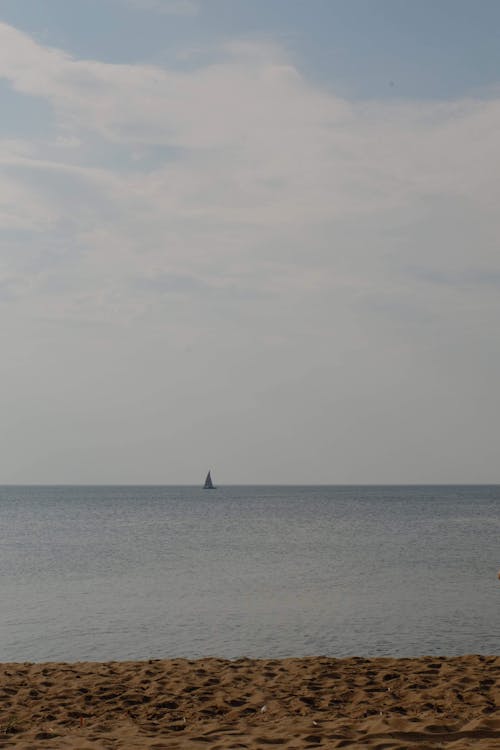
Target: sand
318, 702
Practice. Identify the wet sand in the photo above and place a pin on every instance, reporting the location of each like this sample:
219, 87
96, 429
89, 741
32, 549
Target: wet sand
429, 702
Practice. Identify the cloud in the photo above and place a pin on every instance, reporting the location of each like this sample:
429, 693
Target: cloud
247, 161
295, 240
231, 250
258, 139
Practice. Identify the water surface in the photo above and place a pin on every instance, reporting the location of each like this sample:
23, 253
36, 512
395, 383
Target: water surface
104, 573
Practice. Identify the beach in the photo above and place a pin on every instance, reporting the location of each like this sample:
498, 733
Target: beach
380, 703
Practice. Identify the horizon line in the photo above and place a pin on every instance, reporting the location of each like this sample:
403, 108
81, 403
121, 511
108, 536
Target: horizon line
253, 484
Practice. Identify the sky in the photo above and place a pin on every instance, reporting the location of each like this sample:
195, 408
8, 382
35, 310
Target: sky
258, 237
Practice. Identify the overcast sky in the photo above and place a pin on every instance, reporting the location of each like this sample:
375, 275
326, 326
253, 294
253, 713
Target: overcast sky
261, 237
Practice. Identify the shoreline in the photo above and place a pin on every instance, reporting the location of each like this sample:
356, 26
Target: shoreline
380, 703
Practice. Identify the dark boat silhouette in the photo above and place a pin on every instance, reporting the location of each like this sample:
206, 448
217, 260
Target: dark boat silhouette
208, 483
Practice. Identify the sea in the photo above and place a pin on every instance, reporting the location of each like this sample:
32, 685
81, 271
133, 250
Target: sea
119, 573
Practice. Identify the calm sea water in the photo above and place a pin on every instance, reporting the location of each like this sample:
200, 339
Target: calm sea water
98, 573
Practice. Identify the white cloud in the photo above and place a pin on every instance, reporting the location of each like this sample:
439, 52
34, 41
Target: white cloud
258, 151
310, 240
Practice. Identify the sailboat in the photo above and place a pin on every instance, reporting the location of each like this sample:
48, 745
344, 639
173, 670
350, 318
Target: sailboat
208, 483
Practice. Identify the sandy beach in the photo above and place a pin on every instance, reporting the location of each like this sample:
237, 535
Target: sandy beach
429, 702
